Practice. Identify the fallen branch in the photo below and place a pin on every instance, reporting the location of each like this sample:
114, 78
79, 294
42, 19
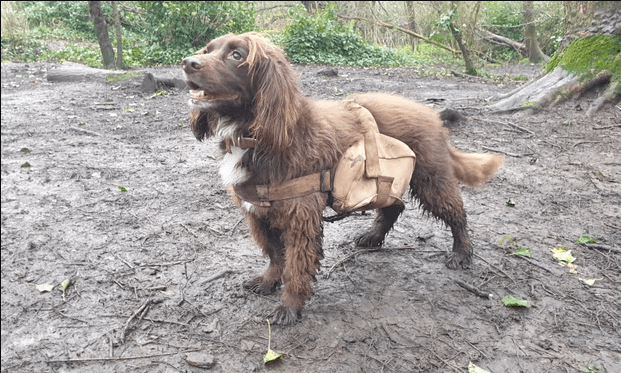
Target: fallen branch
498, 39
474, 290
507, 124
506, 153
217, 275
120, 358
412, 33
603, 247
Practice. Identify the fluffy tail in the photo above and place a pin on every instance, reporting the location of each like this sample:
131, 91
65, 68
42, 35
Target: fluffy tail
475, 169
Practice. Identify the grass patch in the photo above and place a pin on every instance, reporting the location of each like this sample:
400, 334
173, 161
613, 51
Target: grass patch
122, 76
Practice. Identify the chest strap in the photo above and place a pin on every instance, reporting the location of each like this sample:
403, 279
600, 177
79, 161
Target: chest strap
241, 142
262, 195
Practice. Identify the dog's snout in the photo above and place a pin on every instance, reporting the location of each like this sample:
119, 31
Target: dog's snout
191, 64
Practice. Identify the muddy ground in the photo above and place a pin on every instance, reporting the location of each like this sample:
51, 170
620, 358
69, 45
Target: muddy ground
156, 269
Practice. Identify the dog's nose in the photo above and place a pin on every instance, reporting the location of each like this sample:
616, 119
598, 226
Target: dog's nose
191, 64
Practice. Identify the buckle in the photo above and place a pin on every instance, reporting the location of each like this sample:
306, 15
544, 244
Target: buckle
321, 181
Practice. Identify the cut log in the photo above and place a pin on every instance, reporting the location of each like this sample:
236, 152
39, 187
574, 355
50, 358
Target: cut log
74, 72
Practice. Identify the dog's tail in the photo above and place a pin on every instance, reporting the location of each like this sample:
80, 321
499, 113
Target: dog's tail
475, 169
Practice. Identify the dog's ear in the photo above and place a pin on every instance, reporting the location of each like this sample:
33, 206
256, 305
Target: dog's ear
203, 124
276, 94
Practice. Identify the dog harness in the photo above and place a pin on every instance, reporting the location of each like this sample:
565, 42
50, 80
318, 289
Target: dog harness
373, 173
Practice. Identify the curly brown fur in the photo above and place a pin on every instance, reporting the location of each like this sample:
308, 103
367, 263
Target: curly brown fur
247, 88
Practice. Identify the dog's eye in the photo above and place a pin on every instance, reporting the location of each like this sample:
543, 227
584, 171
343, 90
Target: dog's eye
236, 55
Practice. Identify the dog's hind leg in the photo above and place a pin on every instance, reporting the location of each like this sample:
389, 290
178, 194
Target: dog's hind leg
385, 219
268, 238
441, 196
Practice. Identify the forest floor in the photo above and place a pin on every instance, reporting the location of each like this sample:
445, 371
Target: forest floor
108, 189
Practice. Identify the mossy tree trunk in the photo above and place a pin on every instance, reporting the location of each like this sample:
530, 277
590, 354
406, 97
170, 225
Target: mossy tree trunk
587, 64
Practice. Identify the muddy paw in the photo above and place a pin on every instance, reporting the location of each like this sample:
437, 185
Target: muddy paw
284, 315
369, 239
259, 286
458, 260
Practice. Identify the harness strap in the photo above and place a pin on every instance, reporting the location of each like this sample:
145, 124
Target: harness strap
262, 195
242, 142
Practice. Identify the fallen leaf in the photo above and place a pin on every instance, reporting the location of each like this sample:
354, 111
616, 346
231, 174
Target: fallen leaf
586, 239
44, 287
590, 281
65, 284
510, 301
271, 356
475, 369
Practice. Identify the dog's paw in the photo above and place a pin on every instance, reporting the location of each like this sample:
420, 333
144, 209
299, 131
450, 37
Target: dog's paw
369, 239
259, 286
459, 260
284, 315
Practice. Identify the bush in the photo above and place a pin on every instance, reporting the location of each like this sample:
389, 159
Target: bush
176, 29
319, 38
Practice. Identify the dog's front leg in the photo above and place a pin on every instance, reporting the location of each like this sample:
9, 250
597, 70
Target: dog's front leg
269, 240
302, 230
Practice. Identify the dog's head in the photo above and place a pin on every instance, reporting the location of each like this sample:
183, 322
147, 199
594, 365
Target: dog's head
246, 80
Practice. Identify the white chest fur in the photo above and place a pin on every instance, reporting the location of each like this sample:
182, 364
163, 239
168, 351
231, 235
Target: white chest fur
231, 170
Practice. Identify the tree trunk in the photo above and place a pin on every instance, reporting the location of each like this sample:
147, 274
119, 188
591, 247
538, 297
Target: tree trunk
117, 31
535, 54
411, 17
464, 50
102, 33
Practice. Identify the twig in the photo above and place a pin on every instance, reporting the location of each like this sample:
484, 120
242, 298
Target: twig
188, 229
371, 250
84, 131
474, 290
88, 359
235, 226
534, 263
507, 124
606, 127
125, 261
603, 247
506, 153
349, 257
217, 275
584, 142
490, 264
133, 316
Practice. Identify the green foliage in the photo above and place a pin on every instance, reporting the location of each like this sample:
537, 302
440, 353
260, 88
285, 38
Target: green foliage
174, 29
590, 54
19, 48
62, 19
319, 38
87, 55
504, 18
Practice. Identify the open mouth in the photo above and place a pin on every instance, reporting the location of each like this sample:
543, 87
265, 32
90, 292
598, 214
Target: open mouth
200, 97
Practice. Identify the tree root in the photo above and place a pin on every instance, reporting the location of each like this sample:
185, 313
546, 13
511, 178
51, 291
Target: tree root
611, 94
554, 88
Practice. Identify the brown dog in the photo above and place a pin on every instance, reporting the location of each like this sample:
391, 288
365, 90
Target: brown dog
245, 94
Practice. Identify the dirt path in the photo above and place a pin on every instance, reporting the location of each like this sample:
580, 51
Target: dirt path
156, 269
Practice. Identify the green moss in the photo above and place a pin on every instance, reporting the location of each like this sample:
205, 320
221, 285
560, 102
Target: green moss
123, 76
590, 55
